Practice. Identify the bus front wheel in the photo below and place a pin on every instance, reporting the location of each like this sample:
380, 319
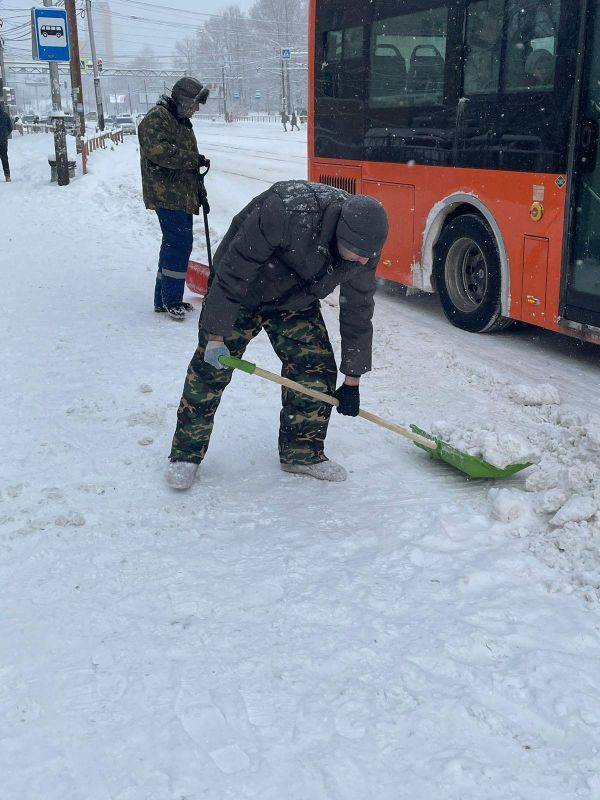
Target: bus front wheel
468, 276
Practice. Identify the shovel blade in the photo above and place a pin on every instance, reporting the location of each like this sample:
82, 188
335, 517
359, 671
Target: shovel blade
197, 277
471, 465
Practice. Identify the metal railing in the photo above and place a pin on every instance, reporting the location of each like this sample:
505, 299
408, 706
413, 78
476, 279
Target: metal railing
98, 143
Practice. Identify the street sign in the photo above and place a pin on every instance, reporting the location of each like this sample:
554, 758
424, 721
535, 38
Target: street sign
50, 34
286, 53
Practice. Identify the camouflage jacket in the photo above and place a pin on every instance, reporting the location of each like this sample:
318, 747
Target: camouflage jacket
169, 159
280, 253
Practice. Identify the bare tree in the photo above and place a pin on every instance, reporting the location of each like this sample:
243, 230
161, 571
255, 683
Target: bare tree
241, 53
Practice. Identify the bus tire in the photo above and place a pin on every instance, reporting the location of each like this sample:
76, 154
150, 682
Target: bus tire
467, 275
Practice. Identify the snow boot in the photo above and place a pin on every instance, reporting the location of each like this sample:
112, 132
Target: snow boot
322, 471
181, 474
176, 311
163, 309
7, 177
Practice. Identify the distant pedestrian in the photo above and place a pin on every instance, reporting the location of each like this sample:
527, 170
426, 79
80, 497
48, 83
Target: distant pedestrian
5, 131
170, 164
294, 122
284, 119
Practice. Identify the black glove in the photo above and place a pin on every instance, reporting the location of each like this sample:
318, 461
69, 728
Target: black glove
202, 196
204, 162
349, 400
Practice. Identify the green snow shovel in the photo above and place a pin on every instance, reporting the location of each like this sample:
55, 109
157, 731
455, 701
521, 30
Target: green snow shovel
471, 465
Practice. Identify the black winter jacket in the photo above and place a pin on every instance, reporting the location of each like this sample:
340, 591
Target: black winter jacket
280, 253
5, 125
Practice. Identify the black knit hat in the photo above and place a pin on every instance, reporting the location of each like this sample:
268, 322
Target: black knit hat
189, 90
363, 226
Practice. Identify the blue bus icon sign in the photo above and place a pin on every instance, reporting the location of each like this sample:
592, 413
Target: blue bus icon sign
50, 34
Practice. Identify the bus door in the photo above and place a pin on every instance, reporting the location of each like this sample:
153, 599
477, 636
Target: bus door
582, 290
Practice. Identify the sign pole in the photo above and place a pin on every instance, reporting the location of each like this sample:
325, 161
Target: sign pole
2, 70
97, 89
287, 88
76, 85
60, 136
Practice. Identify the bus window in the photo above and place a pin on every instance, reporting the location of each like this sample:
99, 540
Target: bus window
333, 47
341, 70
531, 45
529, 28
353, 43
408, 55
483, 49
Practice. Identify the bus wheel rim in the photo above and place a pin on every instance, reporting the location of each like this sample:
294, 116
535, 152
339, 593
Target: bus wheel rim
466, 275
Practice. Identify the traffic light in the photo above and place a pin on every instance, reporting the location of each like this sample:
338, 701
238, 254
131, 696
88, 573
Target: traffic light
99, 65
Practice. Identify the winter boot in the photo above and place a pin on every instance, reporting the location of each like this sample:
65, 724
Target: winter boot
163, 309
7, 177
176, 311
181, 474
323, 471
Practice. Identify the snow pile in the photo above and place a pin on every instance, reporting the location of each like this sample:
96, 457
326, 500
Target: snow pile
490, 443
558, 510
541, 395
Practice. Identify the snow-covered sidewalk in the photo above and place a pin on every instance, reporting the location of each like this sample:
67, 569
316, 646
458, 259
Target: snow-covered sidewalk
408, 634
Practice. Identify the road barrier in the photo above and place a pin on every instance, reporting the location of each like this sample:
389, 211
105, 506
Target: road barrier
37, 127
98, 143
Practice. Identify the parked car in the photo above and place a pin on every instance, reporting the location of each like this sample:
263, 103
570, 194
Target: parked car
126, 124
28, 119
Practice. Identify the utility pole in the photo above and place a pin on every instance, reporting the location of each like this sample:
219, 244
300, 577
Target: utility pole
224, 93
2, 70
76, 85
287, 63
60, 136
287, 85
282, 85
97, 89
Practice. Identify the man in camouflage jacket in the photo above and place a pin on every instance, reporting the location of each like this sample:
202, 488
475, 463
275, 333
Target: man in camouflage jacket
170, 164
284, 252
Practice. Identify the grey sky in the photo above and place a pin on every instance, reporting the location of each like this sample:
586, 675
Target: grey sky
133, 26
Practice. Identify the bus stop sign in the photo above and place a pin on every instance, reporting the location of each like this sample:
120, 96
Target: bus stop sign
50, 34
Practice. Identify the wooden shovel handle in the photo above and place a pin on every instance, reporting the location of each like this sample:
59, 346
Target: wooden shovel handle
333, 401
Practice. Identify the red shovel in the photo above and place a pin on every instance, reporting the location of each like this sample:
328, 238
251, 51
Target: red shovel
196, 278
197, 275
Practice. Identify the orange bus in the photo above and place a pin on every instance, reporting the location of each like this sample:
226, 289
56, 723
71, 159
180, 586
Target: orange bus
475, 123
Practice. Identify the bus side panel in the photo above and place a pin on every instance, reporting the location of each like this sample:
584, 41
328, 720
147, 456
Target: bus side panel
507, 199
397, 256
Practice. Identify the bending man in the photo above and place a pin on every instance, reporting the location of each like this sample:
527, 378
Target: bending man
284, 252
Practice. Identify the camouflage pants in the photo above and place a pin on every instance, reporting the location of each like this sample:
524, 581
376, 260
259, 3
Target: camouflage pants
301, 341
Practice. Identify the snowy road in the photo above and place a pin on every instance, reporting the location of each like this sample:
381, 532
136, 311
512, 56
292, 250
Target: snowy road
406, 635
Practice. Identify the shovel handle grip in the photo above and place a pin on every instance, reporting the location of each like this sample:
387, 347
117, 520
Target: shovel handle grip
252, 369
